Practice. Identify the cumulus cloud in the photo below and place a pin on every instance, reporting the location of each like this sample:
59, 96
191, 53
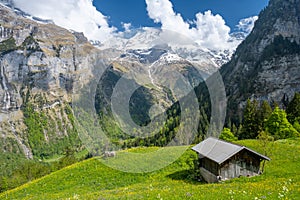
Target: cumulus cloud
127, 27
246, 25
211, 31
161, 11
208, 30
77, 15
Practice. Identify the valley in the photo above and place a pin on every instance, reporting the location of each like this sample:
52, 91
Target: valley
116, 118
91, 179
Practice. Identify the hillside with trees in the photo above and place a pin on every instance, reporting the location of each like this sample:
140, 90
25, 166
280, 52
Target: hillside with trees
40, 144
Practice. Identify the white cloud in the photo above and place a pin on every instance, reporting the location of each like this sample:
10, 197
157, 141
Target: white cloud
77, 15
207, 29
210, 30
161, 11
246, 25
127, 27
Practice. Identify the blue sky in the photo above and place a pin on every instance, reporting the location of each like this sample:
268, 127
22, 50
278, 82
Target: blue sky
103, 20
134, 11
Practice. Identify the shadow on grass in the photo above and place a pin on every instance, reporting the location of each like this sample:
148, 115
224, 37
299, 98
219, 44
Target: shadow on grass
186, 176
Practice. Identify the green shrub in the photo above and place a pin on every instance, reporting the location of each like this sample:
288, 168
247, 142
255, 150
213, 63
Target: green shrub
278, 125
227, 135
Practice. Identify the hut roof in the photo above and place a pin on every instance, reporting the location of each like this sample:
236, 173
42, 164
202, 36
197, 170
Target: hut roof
219, 151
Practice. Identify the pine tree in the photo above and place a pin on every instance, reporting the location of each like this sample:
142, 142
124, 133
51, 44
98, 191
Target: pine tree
293, 109
234, 129
250, 128
264, 113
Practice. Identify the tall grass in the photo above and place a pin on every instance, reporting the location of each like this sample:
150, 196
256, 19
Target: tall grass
92, 179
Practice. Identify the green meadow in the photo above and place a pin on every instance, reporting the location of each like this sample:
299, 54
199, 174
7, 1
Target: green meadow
93, 179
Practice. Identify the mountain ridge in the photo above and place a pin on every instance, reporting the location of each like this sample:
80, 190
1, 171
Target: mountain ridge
43, 64
40, 64
265, 65
147, 38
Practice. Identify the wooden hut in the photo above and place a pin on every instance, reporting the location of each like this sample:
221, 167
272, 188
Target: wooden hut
220, 160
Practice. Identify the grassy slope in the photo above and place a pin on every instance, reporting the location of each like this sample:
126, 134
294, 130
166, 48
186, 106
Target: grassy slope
91, 179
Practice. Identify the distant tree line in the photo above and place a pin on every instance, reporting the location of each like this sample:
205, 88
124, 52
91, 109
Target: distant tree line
260, 117
19, 170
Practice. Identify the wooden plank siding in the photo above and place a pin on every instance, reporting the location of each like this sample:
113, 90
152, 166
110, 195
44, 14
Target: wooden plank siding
244, 163
210, 165
221, 160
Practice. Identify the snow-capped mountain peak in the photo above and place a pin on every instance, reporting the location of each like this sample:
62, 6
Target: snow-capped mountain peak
149, 44
171, 58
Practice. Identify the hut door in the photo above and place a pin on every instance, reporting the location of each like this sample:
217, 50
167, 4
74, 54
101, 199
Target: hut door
243, 169
231, 170
224, 171
238, 168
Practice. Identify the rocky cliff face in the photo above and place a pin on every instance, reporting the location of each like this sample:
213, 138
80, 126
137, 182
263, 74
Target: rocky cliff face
162, 79
266, 65
42, 66
39, 64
